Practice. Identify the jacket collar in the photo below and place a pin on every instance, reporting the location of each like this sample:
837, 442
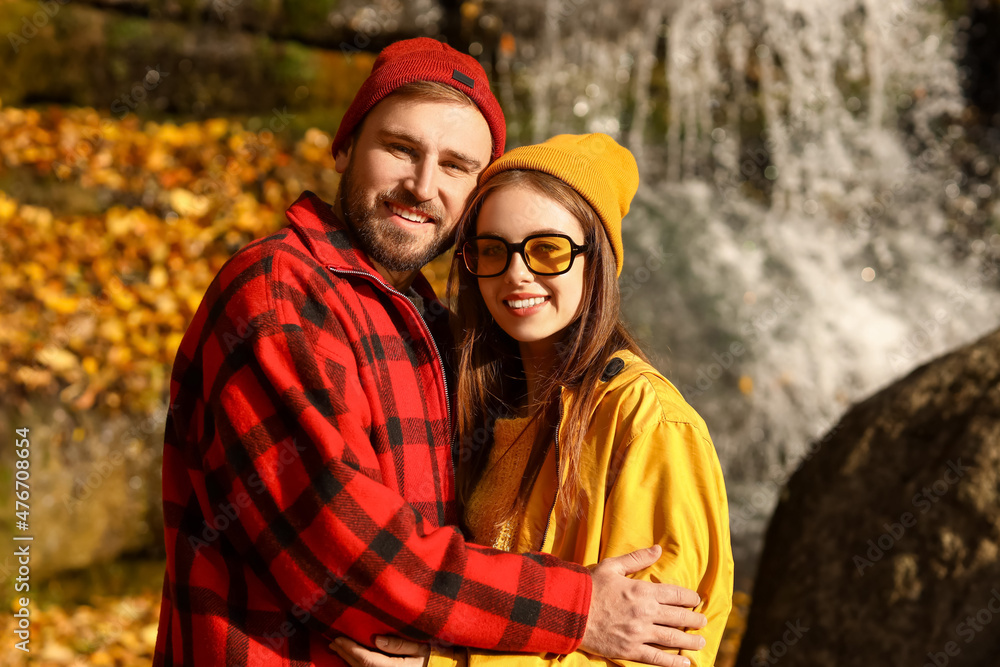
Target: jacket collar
329, 241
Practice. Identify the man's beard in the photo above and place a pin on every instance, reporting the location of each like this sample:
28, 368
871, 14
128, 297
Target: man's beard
385, 243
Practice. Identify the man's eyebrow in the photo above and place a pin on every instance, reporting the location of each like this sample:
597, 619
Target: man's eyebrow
472, 163
399, 134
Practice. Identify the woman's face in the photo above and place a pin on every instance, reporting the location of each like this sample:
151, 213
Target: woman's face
532, 309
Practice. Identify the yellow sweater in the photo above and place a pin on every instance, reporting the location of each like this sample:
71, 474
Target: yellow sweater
500, 483
649, 475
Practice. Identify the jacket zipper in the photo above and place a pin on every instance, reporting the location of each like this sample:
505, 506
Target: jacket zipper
548, 521
437, 353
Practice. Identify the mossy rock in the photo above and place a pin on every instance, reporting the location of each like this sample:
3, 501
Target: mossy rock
94, 488
89, 57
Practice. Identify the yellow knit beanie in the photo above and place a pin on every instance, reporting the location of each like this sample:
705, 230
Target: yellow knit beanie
594, 165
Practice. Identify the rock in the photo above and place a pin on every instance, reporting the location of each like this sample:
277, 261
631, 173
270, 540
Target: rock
94, 486
884, 547
339, 24
84, 56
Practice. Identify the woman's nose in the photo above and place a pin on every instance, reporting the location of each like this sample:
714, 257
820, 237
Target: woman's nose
518, 271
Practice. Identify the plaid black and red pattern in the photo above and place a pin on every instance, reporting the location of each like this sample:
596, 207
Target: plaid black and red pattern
308, 480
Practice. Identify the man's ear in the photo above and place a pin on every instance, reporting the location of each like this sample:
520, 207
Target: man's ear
343, 157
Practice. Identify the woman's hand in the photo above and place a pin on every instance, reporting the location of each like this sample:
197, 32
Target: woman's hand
404, 652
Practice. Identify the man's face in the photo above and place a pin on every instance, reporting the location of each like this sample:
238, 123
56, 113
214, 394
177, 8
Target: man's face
407, 176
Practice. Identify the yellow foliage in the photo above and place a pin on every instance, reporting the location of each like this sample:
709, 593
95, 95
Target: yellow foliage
57, 359
120, 355
173, 343
118, 221
216, 128
158, 277
62, 304
8, 207
33, 379
112, 330
187, 203
111, 631
93, 307
169, 134
124, 301
90, 365
101, 659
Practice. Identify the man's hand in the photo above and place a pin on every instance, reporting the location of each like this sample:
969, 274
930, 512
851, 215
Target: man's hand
404, 652
628, 619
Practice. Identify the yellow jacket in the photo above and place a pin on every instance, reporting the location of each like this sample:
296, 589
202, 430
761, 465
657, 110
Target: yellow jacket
650, 475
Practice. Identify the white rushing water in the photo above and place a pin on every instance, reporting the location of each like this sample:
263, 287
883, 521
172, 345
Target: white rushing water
785, 257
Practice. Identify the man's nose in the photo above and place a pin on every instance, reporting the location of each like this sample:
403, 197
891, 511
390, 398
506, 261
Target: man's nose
423, 182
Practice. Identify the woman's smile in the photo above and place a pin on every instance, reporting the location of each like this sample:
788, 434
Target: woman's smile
523, 305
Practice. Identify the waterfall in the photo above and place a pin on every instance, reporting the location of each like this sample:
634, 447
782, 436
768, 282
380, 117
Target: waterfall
793, 246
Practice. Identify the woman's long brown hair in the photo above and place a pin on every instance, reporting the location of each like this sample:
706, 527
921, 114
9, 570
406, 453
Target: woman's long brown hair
490, 374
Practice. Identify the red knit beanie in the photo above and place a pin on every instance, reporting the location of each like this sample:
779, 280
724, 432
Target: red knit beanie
424, 59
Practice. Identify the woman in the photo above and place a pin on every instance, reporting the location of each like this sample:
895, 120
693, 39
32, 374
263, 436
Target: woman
594, 453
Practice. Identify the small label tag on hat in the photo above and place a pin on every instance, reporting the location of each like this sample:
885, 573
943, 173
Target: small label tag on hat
463, 78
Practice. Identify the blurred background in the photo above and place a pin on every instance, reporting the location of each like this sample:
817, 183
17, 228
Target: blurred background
818, 217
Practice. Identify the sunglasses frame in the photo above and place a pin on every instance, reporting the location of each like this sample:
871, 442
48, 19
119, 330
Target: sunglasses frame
518, 248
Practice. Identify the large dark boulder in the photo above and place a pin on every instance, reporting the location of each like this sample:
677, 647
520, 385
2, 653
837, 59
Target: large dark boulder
884, 547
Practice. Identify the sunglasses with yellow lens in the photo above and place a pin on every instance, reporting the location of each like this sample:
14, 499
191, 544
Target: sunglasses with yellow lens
543, 254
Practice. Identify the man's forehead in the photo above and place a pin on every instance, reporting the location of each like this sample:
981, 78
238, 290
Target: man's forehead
447, 125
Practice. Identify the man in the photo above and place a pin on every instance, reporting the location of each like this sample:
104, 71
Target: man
308, 483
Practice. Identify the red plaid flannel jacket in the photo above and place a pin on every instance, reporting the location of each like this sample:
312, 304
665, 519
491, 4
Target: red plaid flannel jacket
308, 484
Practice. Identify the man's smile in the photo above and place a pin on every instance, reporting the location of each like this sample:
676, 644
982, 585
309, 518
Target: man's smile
408, 213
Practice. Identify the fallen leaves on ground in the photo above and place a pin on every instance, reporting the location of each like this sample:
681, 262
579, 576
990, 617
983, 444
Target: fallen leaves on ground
112, 631
93, 304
